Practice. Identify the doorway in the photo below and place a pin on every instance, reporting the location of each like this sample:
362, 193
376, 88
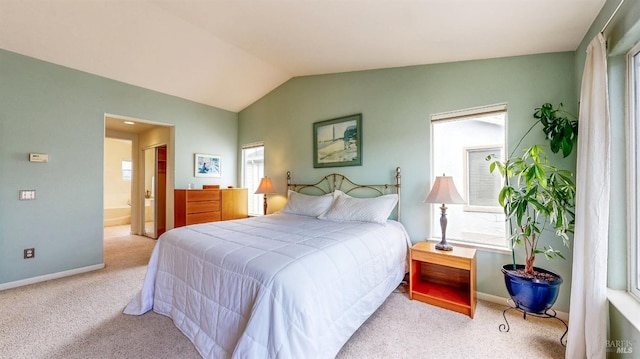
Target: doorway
118, 172
155, 183
157, 203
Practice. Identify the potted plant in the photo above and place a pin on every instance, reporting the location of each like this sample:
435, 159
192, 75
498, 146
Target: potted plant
537, 196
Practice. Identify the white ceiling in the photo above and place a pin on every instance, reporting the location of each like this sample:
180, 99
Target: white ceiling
228, 54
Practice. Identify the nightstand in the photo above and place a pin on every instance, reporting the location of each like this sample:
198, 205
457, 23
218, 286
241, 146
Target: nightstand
443, 278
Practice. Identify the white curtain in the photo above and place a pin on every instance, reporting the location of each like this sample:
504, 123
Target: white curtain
588, 312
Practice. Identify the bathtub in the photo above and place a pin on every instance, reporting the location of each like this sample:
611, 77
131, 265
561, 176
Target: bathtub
121, 215
117, 216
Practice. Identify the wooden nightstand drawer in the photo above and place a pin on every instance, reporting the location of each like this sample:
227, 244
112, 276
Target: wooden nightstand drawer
448, 259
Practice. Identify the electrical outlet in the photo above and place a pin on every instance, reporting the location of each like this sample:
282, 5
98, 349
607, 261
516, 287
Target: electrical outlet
29, 253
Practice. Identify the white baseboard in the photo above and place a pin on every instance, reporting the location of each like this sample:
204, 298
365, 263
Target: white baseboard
46, 277
503, 301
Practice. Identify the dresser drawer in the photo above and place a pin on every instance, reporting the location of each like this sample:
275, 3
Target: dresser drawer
203, 217
203, 195
199, 207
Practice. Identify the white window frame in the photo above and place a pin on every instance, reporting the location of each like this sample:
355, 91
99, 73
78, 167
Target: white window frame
633, 164
504, 246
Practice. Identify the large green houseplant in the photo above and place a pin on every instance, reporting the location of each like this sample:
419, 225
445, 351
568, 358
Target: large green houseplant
537, 195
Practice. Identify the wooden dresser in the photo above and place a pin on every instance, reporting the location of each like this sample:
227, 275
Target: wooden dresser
193, 206
234, 203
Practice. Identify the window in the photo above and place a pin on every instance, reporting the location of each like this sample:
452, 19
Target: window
126, 170
633, 165
482, 186
461, 142
252, 172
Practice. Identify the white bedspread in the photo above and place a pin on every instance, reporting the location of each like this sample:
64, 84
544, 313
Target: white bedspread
278, 286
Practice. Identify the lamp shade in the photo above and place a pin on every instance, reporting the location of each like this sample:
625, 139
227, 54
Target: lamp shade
265, 187
444, 191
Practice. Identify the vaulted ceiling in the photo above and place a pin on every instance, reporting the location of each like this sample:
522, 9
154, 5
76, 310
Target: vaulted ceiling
230, 53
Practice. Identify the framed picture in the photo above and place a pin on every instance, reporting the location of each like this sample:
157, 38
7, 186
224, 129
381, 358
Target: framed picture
207, 165
338, 142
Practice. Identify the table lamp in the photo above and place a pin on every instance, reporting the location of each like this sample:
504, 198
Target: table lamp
265, 188
445, 192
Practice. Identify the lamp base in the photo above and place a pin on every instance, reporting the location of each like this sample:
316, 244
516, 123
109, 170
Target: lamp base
444, 246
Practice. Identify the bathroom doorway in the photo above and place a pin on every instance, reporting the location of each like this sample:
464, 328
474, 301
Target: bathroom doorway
146, 200
118, 174
155, 183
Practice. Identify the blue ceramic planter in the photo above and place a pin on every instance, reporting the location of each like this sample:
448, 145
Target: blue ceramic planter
531, 295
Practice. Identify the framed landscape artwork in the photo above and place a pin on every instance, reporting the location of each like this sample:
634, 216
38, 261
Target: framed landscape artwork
338, 142
207, 165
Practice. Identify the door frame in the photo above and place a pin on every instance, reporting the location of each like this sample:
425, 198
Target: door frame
159, 193
137, 181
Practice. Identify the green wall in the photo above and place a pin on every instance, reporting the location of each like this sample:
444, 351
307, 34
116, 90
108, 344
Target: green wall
396, 105
51, 109
621, 332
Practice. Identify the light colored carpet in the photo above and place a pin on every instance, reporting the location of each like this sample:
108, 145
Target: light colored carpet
81, 317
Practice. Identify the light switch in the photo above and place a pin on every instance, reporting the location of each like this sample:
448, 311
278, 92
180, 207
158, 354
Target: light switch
27, 194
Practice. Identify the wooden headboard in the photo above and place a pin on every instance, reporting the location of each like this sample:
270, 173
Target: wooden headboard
336, 181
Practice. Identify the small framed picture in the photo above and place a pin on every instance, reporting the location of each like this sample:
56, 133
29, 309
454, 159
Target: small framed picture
207, 165
338, 142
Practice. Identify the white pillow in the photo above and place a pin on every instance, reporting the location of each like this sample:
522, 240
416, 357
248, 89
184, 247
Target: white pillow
306, 205
350, 209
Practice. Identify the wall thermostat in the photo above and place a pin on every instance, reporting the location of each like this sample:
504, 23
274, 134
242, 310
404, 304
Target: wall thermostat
38, 157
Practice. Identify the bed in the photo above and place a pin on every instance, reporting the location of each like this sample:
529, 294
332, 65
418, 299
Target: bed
294, 284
